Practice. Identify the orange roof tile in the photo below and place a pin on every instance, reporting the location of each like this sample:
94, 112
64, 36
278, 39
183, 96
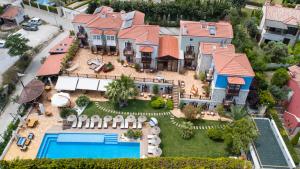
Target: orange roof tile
103, 10
192, 28
138, 18
63, 46
96, 32
288, 16
111, 21
229, 63
51, 66
146, 49
110, 32
236, 80
11, 12
141, 34
210, 48
168, 46
84, 18
295, 73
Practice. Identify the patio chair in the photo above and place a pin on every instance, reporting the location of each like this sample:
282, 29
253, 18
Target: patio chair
105, 125
134, 125
87, 123
74, 124
100, 124
151, 149
24, 148
140, 125
30, 136
21, 141
126, 124
79, 125
114, 124
151, 141
92, 124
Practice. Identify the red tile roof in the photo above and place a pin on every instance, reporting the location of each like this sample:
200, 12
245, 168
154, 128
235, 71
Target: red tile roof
192, 28
51, 66
110, 32
291, 121
63, 46
229, 63
141, 34
96, 32
236, 80
138, 18
146, 49
11, 12
168, 46
111, 21
103, 10
288, 16
294, 84
84, 18
210, 48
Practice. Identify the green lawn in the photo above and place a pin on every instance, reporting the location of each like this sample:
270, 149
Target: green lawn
172, 144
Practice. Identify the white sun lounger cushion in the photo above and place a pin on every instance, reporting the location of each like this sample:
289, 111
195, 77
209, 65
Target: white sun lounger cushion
87, 123
100, 124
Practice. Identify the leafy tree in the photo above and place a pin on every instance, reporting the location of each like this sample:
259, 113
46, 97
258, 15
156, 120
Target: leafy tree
16, 44
187, 131
121, 90
295, 139
239, 134
220, 109
278, 93
238, 3
242, 40
261, 81
257, 58
280, 77
277, 52
190, 112
251, 26
215, 134
237, 112
266, 98
82, 101
155, 89
65, 112
157, 103
92, 6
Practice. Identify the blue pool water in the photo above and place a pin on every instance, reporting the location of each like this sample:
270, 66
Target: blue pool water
45, 2
86, 145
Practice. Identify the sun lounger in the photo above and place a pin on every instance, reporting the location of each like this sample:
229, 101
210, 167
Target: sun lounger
105, 125
151, 149
126, 124
151, 136
114, 124
21, 141
74, 124
97, 69
24, 148
87, 123
140, 125
92, 124
79, 125
122, 126
134, 125
100, 124
30, 136
73, 68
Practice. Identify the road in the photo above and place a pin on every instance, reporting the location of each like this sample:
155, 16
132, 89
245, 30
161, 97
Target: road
49, 17
30, 73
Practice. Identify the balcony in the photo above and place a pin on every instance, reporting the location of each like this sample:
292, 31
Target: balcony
146, 59
232, 92
189, 55
128, 51
228, 102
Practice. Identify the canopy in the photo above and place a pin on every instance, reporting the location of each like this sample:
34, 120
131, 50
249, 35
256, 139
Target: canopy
236, 80
51, 66
153, 121
66, 83
31, 91
142, 118
60, 99
155, 130
103, 83
87, 84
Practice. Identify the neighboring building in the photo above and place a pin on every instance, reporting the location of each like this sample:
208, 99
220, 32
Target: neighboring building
13, 14
192, 33
63, 46
232, 76
139, 44
269, 150
292, 114
168, 54
279, 24
100, 30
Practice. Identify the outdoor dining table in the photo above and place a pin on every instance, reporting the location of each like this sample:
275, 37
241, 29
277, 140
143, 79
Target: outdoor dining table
31, 122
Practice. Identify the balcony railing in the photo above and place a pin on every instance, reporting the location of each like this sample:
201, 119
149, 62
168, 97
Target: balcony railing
232, 92
228, 102
200, 97
128, 52
189, 55
146, 59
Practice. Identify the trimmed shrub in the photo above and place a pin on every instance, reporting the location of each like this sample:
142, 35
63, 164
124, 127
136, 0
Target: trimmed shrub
158, 103
215, 134
155, 89
82, 101
52, 9
137, 67
170, 104
295, 139
202, 76
187, 131
135, 134
65, 112
70, 54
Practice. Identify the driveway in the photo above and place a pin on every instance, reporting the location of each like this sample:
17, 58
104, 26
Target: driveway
44, 33
6, 61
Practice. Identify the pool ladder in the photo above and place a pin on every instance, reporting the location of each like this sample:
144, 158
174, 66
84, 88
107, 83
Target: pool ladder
111, 139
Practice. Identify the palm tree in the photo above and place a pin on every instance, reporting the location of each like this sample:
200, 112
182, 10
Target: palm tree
121, 90
237, 112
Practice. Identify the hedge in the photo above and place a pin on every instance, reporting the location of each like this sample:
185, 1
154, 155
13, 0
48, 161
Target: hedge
34, 4
43, 7
251, 2
274, 115
174, 163
70, 54
7, 135
82, 4
52, 9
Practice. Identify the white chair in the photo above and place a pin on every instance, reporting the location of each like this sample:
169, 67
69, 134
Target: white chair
74, 124
122, 126
134, 125
87, 123
126, 124
114, 124
92, 124
105, 125
140, 125
79, 125
100, 124
151, 136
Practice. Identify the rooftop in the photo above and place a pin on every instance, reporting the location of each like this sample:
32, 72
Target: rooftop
295, 73
168, 46
51, 66
206, 29
63, 46
210, 48
141, 34
11, 12
236, 64
290, 16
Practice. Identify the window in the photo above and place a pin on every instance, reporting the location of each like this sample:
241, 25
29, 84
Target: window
107, 37
127, 44
112, 38
292, 31
190, 48
191, 39
99, 37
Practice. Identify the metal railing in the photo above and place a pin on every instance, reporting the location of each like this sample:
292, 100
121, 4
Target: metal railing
200, 97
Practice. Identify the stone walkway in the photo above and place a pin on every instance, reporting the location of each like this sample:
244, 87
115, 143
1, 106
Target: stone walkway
172, 117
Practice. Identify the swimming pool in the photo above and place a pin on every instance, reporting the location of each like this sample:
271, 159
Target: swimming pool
86, 145
45, 2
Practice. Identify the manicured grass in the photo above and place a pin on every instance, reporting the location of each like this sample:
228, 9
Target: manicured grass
172, 143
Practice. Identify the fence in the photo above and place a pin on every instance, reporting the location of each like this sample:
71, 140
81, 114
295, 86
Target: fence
189, 96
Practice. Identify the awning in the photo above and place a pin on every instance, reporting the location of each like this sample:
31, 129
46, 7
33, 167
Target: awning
66, 83
236, 80
51, 66
103, 83
146, 49
31, 91
87, 84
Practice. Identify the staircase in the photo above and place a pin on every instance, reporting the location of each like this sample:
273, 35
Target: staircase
111, 139
175, 96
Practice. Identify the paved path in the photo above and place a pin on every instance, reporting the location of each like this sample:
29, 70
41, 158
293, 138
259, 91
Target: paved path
11, 108
49, 17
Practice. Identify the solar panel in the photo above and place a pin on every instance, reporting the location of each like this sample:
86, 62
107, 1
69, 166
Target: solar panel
130, 15
212, 30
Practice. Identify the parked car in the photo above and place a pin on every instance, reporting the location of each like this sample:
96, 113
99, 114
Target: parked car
30, 27
2, 43
35, 21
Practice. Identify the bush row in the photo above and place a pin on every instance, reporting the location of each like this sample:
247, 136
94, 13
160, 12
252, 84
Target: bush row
70, 54
7, 135
251, 2
82, 4
274, 115
224, 163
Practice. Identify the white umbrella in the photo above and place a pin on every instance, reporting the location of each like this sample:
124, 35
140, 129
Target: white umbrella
71, 118
130, 118
156, 140
60, 99
119, 118
42, 108
142, 118
153, 121
107, 118
157, 151
155, 130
